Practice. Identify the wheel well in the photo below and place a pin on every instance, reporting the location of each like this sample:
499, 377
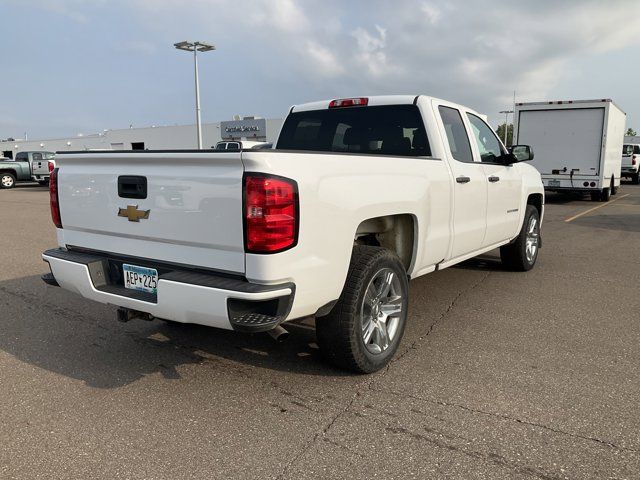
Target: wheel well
12, 172
535, 199
393, 232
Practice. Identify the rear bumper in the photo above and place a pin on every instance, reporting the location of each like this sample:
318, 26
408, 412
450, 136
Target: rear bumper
182, 295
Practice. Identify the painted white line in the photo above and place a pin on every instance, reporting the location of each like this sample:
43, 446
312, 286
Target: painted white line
571, 219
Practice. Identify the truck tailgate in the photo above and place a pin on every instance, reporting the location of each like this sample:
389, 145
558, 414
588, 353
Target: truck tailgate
193, 200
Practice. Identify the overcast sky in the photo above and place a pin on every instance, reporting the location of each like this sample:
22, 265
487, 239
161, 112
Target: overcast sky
81, 66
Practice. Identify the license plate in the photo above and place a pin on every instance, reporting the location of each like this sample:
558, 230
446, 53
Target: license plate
142, 279
554, 183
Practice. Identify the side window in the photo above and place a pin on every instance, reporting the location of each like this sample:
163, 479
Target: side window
21, 157
456, 134
488, 143
37, 157
636, 149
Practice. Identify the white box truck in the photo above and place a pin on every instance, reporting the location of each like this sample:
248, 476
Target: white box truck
577, 143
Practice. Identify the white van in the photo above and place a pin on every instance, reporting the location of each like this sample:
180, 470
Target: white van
577, 144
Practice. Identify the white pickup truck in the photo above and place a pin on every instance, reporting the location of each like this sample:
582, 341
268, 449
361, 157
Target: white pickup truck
359, 196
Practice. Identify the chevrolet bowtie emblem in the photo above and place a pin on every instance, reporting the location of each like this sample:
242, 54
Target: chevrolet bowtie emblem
133, 214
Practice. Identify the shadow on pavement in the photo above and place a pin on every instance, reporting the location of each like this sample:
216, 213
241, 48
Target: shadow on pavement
560, 198
58, 331
487, 262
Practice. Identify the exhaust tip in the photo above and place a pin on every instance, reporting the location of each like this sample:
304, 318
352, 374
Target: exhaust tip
279, 334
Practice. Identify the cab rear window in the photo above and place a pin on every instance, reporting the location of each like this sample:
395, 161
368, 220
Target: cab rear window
384, 130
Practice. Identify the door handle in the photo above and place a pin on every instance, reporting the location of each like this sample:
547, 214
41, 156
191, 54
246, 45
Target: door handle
463, 179
494, 179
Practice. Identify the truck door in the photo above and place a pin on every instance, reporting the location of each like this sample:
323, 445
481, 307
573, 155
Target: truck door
504, 183
470, 185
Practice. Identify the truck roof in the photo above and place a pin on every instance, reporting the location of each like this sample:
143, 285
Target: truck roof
550, 103
373, 101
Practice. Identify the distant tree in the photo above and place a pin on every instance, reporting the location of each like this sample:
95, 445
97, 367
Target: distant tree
500, 132
631, 132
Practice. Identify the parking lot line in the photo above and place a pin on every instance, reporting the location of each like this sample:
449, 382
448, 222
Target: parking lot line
570, 219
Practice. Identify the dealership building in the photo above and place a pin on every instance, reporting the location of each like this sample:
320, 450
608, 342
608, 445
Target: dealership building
153, 138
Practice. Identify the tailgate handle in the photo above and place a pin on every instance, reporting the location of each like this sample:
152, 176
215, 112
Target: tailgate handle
132, 187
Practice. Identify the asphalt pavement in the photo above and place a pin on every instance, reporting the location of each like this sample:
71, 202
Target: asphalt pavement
500, 374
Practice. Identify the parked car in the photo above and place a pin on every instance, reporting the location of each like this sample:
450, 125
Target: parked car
630, 160
359, 196
577, 144
241, 145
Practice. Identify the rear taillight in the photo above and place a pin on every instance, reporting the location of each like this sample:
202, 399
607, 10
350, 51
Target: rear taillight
270, 213
53, 198
349, 102
51, 167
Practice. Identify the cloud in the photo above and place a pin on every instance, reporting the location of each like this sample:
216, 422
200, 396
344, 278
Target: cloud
370, 51
475, 53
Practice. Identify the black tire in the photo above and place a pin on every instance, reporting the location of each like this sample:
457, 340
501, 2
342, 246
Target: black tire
595, 196
635, 179
514, 256
43, 183
340, 333
605, 196
614, 189
7, 180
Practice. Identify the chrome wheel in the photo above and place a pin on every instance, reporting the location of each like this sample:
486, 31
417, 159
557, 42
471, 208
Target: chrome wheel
381, 310
532, 239
6, 181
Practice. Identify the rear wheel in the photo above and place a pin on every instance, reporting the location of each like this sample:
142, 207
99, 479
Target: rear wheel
43, 183
605, 196
635, 178
363, 330
614, 189
521, 255
7, 180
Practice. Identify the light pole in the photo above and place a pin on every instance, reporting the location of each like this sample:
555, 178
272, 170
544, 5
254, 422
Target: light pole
506, 117
196, 47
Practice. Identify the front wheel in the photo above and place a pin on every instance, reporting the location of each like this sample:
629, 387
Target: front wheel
614, 189
363, 330
522, 254
7, 180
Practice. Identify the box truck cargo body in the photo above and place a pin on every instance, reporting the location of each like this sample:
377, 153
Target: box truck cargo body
577, 143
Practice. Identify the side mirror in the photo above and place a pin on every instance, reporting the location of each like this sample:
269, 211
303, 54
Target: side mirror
522, 153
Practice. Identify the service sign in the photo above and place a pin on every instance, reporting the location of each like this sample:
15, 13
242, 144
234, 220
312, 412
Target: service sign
249, 129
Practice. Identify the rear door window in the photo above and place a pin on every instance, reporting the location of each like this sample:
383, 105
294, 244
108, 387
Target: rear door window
636, 149
456, 134
384, 130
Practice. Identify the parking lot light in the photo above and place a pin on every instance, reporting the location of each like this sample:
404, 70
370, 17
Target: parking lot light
506, 118
196, 47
